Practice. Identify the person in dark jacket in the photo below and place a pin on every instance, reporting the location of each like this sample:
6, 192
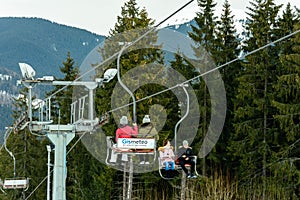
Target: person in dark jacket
147, 130
185, 156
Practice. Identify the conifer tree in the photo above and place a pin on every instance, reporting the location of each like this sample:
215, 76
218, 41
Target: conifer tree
286, 141
228, 50
132, 19
204, 33
131, 24
63, 99
254, 124
29, 151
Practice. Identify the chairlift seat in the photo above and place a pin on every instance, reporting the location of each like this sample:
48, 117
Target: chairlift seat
136, 143
177, 166
16, 183
144, 149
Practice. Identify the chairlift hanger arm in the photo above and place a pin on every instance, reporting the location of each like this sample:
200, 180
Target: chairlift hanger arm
8, 131
186, 113
121, 82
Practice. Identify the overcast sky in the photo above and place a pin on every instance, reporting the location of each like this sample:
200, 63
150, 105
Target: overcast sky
99, 16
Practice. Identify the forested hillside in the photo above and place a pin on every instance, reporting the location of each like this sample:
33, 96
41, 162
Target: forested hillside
256, 154
42, 44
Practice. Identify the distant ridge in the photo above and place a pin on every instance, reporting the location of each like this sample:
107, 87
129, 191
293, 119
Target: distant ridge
42, 44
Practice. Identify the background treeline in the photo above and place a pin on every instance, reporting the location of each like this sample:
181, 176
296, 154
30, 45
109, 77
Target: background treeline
257, 154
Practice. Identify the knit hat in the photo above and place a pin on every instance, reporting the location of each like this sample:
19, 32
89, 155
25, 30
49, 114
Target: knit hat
146, 119
185, 142
123, 120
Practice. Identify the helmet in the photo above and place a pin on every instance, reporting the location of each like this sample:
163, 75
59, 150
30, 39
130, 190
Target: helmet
146, 119
123, 120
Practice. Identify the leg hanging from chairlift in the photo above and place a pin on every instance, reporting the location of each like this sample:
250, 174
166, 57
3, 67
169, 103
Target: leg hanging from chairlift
186, 171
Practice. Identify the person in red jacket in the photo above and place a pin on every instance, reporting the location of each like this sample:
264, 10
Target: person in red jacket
126, 131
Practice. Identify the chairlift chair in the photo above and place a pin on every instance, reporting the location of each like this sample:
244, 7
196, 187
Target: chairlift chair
132, 145
177, 168
161, 166
13, 183
16, 183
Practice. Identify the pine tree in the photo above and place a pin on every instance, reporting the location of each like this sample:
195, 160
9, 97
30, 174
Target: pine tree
287, 21
63, 99
286, 141
204, 34
254, 124
131, 24
29, 152
227, 45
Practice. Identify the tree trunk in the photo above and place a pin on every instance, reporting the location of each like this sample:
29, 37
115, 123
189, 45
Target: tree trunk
183, 186
130, 178
264, 140
124, 183
204, 129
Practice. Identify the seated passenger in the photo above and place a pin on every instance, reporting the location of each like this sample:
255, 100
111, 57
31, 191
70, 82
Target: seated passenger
147, 130
185, 156
166, 155
126, 131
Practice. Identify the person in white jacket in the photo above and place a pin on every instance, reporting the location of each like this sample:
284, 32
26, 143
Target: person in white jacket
167, 156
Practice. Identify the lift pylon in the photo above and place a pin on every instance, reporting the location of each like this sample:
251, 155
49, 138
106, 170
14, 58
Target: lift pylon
60, 136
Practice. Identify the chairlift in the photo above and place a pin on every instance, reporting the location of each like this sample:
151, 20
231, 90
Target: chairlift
128, 146
176, 170
15, 182
161, 166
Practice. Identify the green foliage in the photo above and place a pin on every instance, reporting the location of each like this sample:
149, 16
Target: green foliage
47, 41
253, 109
29, 155
63, 98
258, 151
287, 90
227, 50
205, 34
255, 145
131, 24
